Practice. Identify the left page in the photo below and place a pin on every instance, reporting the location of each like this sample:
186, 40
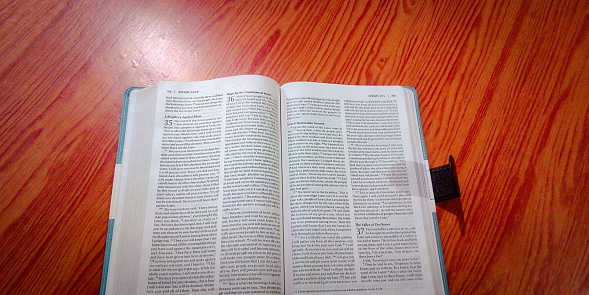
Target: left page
199, 207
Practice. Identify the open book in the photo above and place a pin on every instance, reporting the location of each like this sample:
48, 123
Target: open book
240, 186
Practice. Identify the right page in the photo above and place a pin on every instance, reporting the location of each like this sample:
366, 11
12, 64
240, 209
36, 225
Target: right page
359, 211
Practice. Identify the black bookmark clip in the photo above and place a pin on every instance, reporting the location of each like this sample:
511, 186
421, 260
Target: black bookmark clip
445, 182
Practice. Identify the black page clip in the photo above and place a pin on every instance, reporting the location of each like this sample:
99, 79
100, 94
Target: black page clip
445, 182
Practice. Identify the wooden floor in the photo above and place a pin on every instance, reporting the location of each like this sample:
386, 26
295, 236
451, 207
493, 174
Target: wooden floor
503, 86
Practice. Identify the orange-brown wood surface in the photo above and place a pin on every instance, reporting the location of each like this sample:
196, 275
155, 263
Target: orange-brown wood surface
503, 86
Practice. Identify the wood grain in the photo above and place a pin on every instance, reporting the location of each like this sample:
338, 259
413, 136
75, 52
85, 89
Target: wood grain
503, 86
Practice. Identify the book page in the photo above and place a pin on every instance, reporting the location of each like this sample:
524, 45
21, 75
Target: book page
213, 218
357, 216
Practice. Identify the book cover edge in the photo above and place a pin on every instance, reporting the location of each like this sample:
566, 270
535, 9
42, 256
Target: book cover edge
434, 216
118, 162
